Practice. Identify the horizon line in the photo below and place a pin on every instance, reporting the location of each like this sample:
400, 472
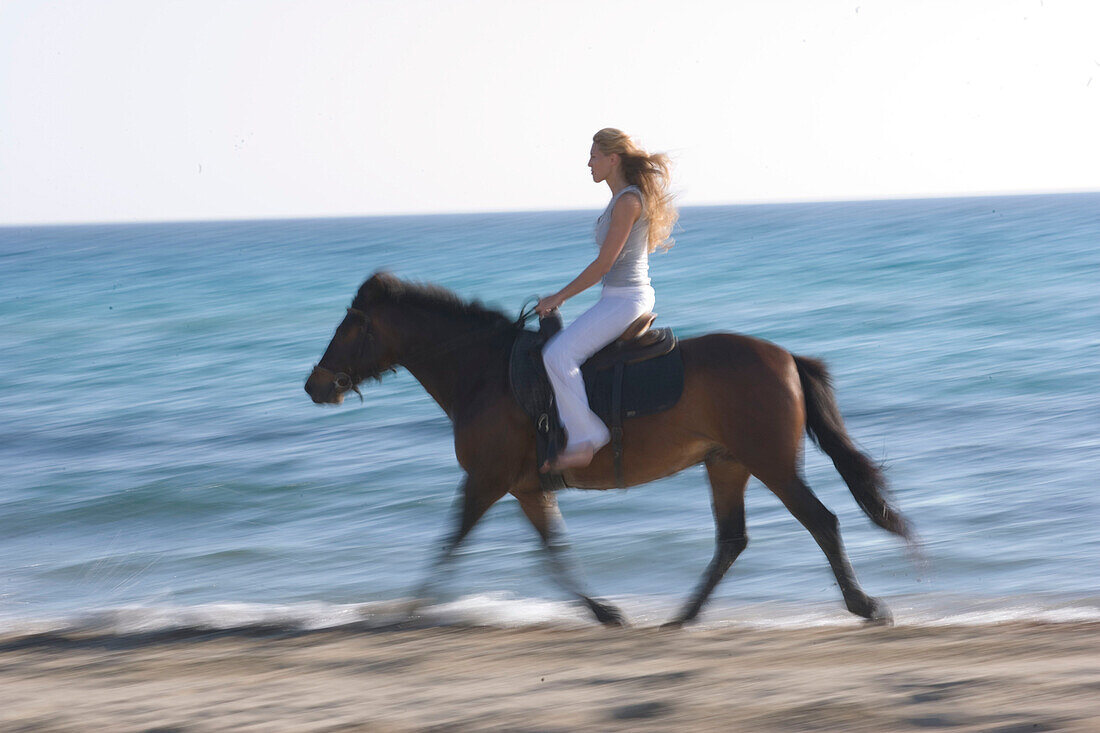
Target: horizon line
474, 212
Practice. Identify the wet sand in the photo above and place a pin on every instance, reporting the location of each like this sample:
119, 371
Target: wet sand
1008, 678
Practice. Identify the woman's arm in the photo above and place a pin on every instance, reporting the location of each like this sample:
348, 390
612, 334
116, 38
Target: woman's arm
627, 210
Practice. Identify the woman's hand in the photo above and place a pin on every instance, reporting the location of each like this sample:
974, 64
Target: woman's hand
548, 304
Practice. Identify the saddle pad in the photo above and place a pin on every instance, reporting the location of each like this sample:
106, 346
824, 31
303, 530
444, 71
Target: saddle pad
527, 374
649, 386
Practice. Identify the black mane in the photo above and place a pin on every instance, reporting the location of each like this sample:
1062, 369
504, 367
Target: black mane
384, 287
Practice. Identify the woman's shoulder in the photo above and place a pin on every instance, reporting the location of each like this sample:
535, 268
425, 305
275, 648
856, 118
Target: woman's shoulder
630, 196
629, 200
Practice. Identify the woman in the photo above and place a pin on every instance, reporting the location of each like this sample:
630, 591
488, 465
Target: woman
637, 220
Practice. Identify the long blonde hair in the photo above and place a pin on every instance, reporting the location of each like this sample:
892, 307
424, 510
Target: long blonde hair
652, 173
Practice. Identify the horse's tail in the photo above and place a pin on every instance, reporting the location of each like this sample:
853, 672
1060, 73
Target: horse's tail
825, 427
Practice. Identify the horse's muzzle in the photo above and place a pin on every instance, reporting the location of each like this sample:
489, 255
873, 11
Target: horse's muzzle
326, 388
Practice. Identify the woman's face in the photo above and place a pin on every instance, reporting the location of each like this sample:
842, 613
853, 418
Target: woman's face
601, 165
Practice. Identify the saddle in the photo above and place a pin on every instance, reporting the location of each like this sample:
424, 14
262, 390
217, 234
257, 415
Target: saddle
640, 373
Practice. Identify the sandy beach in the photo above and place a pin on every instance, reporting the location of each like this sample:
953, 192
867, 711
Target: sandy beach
1005, 678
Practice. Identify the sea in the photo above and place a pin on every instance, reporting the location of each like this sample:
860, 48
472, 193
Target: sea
161, 466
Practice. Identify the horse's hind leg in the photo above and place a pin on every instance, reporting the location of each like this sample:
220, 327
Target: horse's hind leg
541, 508
823, 525
728, 480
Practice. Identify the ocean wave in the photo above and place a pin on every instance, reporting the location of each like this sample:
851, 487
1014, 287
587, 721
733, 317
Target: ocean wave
506, 611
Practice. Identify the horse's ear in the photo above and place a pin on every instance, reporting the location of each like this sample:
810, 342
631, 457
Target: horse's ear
381, 286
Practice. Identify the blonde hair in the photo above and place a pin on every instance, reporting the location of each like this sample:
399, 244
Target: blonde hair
651, 173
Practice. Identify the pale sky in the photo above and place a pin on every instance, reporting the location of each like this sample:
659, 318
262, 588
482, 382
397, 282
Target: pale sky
119, 110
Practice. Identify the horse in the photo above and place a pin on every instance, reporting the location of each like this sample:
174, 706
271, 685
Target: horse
745, 405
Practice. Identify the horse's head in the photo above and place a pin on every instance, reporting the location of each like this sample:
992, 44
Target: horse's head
361, 347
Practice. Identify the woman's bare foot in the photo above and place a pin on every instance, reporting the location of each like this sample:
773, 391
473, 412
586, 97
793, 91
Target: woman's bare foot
570, 459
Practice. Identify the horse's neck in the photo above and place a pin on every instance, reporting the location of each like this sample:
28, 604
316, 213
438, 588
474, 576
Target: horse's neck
448, 363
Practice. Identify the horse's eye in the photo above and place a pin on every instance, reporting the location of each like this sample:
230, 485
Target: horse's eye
359, 315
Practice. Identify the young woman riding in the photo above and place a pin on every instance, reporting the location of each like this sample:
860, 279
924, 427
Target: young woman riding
637, 220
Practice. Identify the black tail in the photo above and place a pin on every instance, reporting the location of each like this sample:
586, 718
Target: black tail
825, 427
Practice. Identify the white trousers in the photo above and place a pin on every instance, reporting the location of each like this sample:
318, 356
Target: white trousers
563, 355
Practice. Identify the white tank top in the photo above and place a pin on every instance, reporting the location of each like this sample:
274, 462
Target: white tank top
632, 265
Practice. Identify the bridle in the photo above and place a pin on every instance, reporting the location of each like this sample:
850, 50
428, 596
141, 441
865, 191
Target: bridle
348, 382
344, 382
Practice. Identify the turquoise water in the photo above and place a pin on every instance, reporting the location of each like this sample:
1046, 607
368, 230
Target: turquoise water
158, 454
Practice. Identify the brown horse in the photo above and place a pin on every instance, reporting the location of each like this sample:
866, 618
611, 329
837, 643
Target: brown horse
744, 408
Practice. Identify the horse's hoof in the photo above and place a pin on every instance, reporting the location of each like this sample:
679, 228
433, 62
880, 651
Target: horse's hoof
412, 612
607, 614
880, 620
612, 617
872, 610
672, 625
880, 615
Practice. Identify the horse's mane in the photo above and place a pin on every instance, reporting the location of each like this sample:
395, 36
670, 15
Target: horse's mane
385, 287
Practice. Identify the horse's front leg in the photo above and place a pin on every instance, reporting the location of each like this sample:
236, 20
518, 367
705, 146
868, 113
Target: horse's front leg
475, 496
541, 508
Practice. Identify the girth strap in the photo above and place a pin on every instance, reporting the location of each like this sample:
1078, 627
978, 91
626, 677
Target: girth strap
617, 424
